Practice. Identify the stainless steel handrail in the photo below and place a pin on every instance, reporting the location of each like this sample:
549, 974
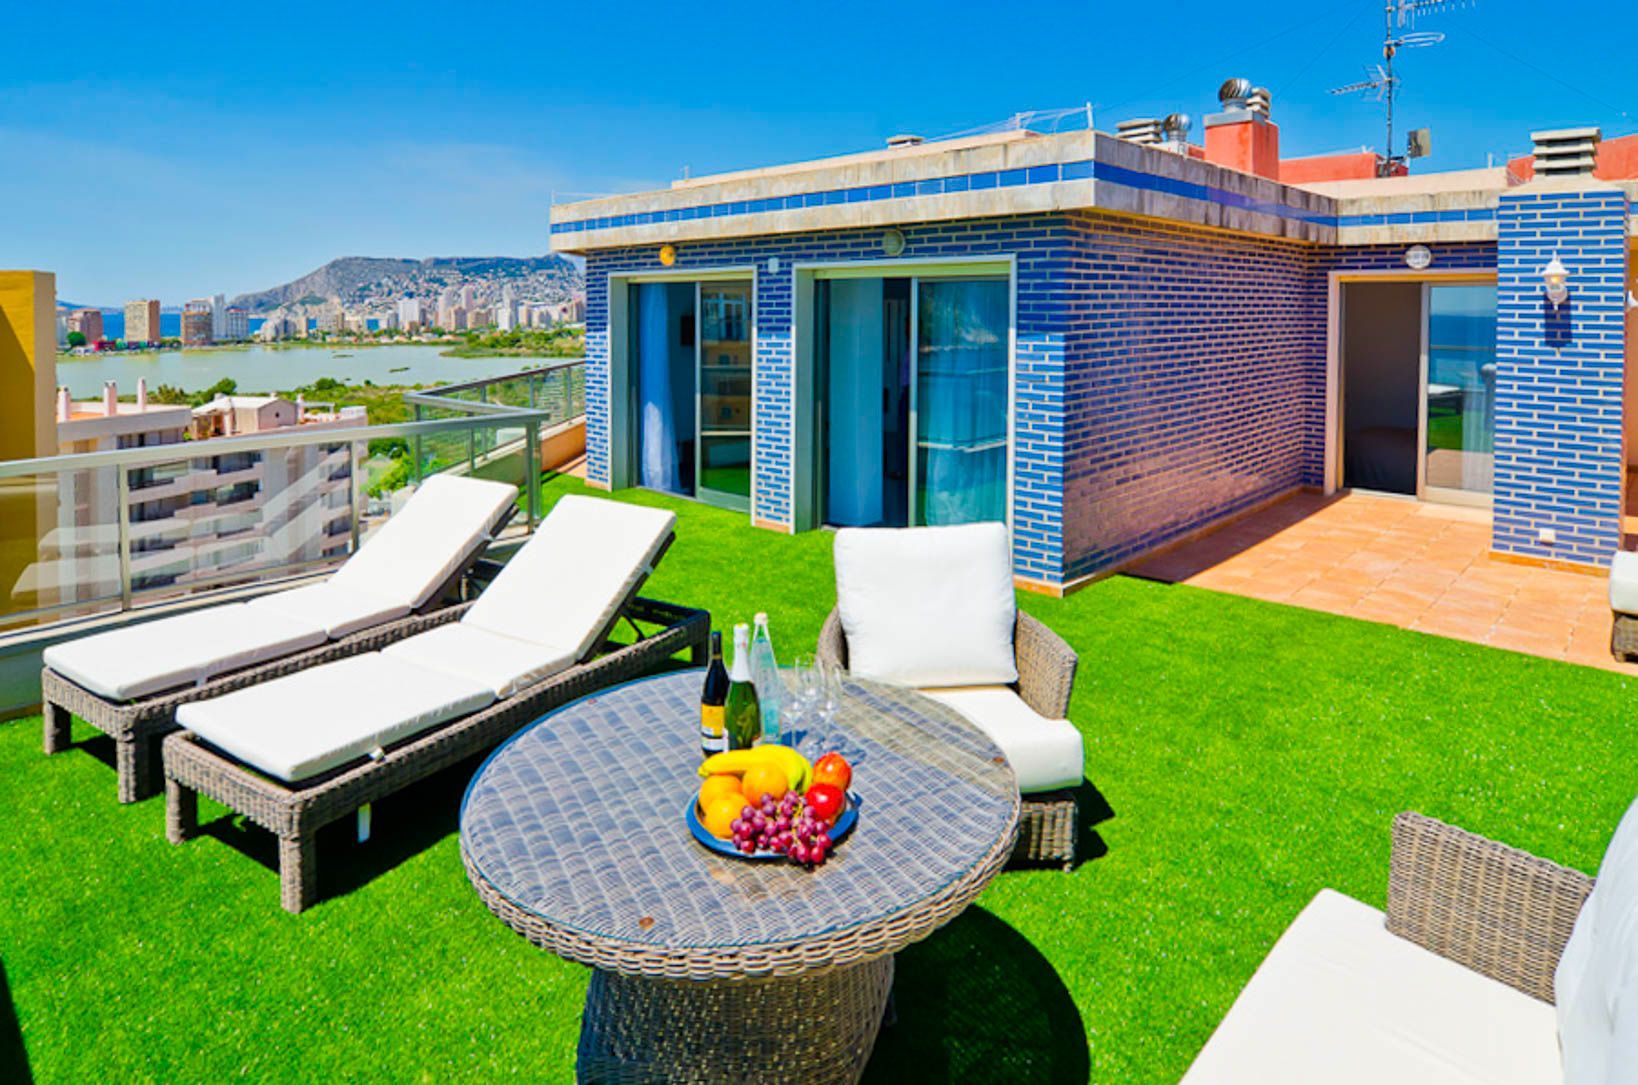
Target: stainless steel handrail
445, 389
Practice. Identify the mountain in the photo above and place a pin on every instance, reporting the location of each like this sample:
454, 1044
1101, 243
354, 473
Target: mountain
366, 280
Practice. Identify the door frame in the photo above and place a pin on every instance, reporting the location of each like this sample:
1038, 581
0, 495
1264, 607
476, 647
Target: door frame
806, 437
623, 388
1332, 476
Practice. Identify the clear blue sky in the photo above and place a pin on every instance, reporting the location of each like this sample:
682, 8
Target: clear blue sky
176, 150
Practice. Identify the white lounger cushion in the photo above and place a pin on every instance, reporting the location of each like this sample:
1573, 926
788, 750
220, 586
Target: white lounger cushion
315, 720
337, 609
1341, 1001
180, 650
1596, 983
502, 665
1624, 582
927, 606
564, 588
1045, 754
419, 548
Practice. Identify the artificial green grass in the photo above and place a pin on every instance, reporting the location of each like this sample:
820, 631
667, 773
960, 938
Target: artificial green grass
1244, 755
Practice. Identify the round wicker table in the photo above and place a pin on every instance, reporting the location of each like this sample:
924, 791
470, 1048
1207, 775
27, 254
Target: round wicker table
712, 968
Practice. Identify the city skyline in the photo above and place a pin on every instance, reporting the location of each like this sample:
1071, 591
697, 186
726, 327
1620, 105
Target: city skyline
389, 148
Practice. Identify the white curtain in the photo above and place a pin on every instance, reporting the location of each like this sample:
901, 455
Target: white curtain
657, 426
854, 468
962, 400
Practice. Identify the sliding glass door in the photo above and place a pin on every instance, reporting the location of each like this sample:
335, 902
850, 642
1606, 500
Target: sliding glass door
725, 393
1460, 392
912, 382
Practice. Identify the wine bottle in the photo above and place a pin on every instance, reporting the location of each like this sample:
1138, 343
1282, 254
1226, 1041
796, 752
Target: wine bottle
714, 695
770, 687
742, 716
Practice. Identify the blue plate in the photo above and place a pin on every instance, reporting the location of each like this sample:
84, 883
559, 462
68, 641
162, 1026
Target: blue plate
838, 831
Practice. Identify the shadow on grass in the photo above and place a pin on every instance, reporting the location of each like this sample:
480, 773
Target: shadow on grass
13, 1055
976, 1003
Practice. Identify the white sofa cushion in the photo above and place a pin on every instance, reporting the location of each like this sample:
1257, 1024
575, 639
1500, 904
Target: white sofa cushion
928, 606
1596, 984
569, 581
501, 664
1624, 582
338, 609
1341, 1001
178, 651
1045, 754
315, 720
407, 558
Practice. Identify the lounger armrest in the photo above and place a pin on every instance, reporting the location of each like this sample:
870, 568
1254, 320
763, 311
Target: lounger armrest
832, 641
1046, 667
1494, 909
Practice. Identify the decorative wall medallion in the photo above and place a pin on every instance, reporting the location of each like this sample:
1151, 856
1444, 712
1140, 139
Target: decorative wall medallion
1418, 257
892, 242
668, 255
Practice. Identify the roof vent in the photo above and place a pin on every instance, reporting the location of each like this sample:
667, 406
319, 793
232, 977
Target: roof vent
904, 139
1144, 130
1234, 93
1259, 101
1566, 152
1175, 129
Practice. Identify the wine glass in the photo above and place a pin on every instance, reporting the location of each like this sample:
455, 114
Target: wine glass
804, 693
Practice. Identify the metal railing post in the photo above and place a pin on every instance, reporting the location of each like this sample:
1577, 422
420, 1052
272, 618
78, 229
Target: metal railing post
354, 491
531, 474
122, 491
471, 449
416, 473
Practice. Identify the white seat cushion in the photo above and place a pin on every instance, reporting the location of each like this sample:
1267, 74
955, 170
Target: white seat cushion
1596, 984
339, 610
500, 664
567, 584
927, 606
169, 653
1045, 754
315, 720
1341, 1001
1624, 582
421, 546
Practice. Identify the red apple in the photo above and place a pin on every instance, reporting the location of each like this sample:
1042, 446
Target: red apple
834, 770
825, 801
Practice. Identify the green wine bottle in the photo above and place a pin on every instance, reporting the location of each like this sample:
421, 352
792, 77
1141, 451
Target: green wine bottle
742, 715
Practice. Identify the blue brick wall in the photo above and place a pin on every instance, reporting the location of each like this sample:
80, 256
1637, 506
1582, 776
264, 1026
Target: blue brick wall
1040, 245
1559, 374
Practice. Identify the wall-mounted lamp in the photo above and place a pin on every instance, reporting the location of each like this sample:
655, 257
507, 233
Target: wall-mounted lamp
1557, 278
1632, 300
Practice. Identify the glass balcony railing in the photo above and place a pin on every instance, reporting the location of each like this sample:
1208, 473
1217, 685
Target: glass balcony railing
96, 532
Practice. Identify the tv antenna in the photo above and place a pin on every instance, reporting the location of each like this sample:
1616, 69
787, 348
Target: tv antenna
1380, 82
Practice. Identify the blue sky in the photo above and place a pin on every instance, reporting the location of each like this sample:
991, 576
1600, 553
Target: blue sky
176, 150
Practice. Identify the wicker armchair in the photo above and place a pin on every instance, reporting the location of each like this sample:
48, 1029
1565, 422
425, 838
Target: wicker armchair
1499, 911
1046, 674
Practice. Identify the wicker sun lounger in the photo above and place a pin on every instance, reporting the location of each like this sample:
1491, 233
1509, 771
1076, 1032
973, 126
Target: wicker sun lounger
137, 724
1046, 675
307, 749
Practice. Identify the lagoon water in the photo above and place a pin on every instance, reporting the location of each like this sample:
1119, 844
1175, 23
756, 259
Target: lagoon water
269, 369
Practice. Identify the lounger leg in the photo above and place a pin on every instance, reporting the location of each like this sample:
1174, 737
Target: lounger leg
298, 872
135, 761
57, 723
181, 812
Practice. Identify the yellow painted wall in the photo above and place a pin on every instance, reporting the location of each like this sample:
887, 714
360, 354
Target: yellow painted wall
28, 423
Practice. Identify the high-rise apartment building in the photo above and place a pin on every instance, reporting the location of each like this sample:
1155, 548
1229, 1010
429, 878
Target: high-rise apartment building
218, 319
142, 321
88, 322
411, 315
468, 297
235, 324
198, 323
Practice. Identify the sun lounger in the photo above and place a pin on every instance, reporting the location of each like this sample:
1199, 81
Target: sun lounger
128, 682
299, 752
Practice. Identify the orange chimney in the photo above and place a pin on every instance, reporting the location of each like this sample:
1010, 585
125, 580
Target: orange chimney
1242, 137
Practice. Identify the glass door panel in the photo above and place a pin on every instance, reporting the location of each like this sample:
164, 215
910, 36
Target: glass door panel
960, 401
724, 475
1461, 391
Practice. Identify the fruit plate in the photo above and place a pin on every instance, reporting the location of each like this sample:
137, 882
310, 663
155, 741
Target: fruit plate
838, 832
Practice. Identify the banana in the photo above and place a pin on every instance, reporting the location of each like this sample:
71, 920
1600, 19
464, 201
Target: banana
798, 770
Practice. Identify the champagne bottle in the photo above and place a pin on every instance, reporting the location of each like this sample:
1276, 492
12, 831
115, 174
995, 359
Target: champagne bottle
714, 695
770, 687
742, 716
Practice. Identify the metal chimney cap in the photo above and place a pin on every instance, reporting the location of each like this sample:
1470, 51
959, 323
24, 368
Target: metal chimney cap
905, 139
1234, 90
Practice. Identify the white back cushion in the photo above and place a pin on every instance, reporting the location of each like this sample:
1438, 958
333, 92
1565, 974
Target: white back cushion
1596, 984
568, 582
338, 609
928, 606
435, 533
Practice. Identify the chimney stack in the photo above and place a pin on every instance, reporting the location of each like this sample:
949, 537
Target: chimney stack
142, 393
1566, 152
1242, 137
64, 407
110, 399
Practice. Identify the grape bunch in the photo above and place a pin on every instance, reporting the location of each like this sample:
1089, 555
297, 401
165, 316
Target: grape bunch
785, 828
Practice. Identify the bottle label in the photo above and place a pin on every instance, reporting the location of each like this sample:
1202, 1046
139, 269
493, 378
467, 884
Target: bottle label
712, 718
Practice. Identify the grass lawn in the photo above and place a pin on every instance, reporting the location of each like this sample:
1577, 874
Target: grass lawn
1247, 753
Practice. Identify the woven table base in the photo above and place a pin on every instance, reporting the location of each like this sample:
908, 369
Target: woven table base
816, 1029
